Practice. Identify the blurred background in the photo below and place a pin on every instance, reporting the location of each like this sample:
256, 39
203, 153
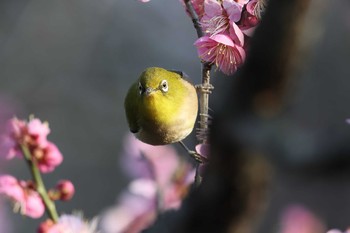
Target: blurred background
71, 63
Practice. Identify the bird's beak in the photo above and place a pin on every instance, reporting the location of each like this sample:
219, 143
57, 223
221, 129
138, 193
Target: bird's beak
149, 90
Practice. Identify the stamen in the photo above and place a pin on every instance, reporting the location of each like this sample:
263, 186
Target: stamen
216, 25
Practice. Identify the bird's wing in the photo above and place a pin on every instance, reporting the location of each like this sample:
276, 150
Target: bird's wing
132, 109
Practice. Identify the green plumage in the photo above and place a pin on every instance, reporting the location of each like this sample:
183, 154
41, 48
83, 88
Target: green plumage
161, 107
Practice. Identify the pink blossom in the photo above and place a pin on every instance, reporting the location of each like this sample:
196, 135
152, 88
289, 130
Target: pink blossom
251, 17
297, 219
5, 222
9, 145
34, 206
143, 0
69, 224
33, 135
65, 189
10, 187
147, 161
139, 204
242, 2
135, 211
48, 158
38, 131
45, 226
23, 195
256, 7
248, 23
221, 51
222, 18
203, 150
198, 6
162, 181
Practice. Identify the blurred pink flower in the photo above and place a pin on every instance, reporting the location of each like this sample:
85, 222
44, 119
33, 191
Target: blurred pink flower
45, 226
135, 211
139, 205
198, 6
221, 51
297, 219
23, 195
249, 19
256, 7
162, 181
38, 131
65, 189
68, 224
143, 0
248, 23
33, 135
48, 158
5, 223
141, 160
9, 145
10, 187
33, 206
242, 2
221, 19
203, 150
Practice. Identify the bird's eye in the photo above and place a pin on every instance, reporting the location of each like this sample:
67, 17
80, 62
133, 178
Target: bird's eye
140, 88
164, 86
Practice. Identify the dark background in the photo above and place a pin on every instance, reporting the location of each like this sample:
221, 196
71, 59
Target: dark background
71, 62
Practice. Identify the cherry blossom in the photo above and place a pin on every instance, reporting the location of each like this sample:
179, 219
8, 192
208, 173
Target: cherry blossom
33, 136
198, 6
221, 19
221, 51
68, 224
63, 191
297, 219
24, 196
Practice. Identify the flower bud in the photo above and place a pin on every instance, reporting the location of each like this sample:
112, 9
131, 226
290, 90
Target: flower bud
44, 227
66, 190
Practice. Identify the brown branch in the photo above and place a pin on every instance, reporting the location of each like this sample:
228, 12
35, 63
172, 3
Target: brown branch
194, 17
234, 186
204, 89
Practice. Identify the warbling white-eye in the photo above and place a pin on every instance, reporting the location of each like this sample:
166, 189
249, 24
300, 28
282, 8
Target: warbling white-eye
161, 106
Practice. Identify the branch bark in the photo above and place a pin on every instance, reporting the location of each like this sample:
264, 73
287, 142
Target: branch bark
234, 188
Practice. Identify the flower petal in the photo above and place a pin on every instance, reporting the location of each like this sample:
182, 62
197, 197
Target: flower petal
233, 10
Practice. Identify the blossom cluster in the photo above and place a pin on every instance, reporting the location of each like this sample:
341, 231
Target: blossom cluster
160, 180
32, 135
74, 223
29, 140
227, 26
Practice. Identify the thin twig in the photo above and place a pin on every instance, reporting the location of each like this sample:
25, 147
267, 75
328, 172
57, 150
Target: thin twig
204, 88
40, 187
194, 17
197, 157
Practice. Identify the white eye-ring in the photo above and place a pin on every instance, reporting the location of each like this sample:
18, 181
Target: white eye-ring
140, 88
164, 86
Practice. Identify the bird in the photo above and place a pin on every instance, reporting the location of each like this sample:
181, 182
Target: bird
161, 106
